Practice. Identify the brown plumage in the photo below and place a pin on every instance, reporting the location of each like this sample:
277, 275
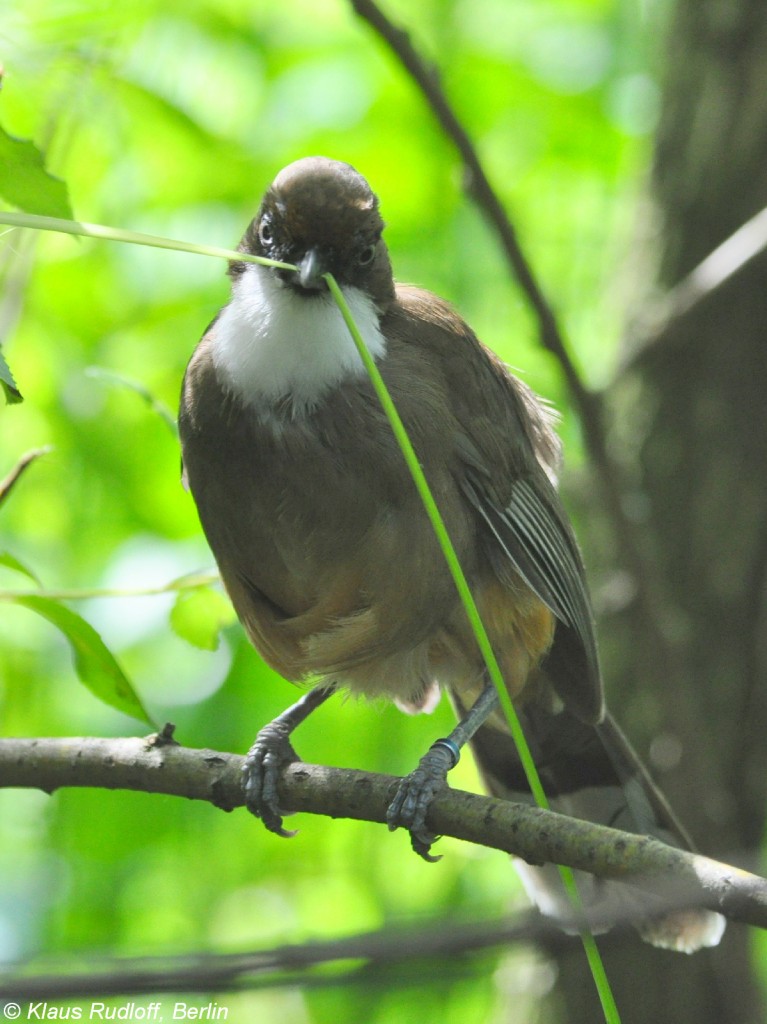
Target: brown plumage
370, 599
318, 530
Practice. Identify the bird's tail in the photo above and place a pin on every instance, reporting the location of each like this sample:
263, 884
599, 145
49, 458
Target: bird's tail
591, 772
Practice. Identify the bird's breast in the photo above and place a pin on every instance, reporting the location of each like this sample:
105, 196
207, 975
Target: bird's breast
273, 346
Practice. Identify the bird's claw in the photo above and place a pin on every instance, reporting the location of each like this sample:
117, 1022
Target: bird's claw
260, 773
415, 794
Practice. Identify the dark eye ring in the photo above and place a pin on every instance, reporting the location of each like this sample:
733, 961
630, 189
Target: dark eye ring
265, 232
367, 255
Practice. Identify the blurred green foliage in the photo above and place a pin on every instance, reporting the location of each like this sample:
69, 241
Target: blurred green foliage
172, 118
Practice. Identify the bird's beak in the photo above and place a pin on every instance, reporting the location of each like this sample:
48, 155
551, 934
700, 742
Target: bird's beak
310, 270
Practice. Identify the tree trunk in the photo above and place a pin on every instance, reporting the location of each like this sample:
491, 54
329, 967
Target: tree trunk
696, 403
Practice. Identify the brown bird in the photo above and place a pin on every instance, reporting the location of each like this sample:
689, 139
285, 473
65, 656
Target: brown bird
331, 562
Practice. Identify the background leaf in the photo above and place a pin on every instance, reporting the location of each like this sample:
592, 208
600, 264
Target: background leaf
95, 665
11, 562
198, 616
24, 181
8, 384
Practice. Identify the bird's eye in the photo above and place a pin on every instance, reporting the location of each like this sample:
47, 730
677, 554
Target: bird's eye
265, 231
366, 256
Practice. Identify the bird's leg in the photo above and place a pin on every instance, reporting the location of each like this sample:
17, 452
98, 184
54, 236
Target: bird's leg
409, 807
269, 755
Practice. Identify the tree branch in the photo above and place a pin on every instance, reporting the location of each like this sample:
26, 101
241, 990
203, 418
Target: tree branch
374, 955
10, 481
735, 253
155, 765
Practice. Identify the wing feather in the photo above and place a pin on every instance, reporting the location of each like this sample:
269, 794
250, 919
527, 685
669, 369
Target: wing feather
531, 532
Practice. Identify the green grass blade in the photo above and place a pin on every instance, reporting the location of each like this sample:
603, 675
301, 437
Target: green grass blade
73, 227
531, 772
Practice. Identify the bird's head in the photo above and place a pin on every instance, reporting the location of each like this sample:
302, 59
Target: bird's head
321, 215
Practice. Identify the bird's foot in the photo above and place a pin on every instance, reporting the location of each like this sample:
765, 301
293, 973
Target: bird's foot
416, 792
264, 762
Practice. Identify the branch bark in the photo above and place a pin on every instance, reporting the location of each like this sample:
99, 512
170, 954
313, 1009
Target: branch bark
154, 765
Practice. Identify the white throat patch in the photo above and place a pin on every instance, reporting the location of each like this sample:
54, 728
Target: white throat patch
270, 344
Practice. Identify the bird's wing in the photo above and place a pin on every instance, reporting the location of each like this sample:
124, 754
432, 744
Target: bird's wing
530, 534
506, 458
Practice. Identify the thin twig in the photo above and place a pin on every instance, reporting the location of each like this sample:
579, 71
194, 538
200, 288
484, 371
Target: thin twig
285, 966
533, 834
722, 264
7, 485
193, 581
427, 79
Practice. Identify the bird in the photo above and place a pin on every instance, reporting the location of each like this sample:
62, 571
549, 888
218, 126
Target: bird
333, 567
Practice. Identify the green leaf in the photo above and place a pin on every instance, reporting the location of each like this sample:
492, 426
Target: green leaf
198, 616
94, 662
24, 181
11, 562
12, 393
